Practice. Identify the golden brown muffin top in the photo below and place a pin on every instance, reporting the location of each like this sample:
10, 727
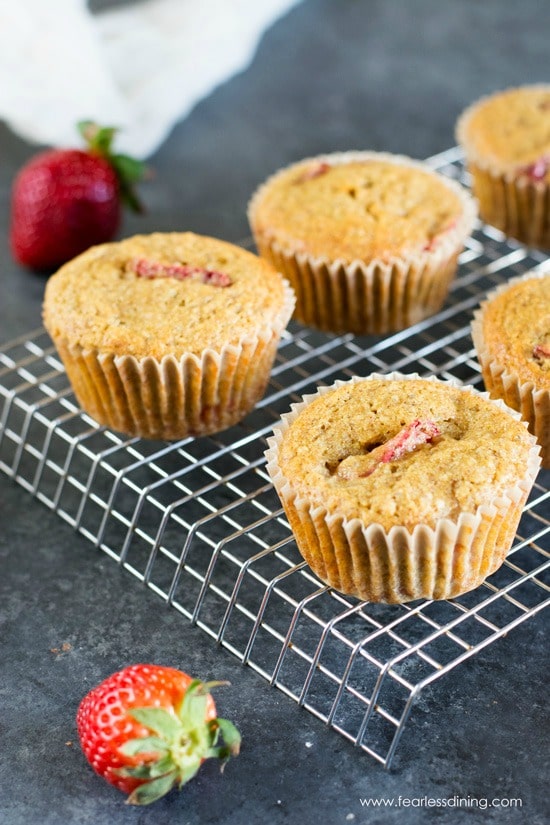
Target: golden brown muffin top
515, 326
509, 132
357, 206
163, 294
465, 450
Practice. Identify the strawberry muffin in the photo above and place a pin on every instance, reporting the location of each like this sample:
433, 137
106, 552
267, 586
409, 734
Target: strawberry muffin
400, 488
511, 333
506, 140
167, 335
369, 241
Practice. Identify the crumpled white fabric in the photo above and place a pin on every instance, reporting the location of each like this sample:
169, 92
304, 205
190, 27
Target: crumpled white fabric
140, 67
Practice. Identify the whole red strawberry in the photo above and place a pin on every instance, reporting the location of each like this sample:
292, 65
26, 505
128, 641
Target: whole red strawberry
66, 200
147, 729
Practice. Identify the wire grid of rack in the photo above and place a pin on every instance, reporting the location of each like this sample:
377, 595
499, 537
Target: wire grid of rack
199, 523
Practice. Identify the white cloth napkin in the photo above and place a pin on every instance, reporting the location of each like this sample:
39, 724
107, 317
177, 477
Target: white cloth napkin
140, 67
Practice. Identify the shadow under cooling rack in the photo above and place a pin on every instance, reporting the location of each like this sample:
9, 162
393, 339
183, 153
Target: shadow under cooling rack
199, 523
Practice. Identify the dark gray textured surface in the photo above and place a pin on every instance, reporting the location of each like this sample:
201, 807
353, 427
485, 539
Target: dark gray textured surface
334, 74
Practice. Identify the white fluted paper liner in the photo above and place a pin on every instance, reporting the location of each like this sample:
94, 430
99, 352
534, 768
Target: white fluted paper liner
173, 398
396, 565
369, 297
516, 205
532, 403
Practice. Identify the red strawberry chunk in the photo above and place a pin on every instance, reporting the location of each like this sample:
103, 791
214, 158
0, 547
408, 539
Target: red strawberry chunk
313, 172
406, 441
538, 169
541, 351
153, 269
433, 242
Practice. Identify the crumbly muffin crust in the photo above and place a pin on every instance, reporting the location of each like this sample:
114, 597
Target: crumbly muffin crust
515, 325
480, 453
99, 302
349, 209
509, 132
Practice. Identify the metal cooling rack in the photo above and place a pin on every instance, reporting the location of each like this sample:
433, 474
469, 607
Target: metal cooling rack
198, 521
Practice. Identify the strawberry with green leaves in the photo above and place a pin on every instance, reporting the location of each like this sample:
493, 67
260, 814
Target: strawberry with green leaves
66, 200
147, 729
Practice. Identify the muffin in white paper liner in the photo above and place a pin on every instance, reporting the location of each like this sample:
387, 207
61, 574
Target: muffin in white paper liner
373, 296
400, 565
530, 401
516, 203
172, 398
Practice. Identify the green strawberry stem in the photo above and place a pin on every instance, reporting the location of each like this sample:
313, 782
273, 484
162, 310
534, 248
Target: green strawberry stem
129, 171
181, 740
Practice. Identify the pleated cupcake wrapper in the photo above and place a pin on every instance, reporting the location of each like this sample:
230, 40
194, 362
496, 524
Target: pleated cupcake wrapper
377, 296
531, 403
512, 202
365, 300
172, 398
518, 207
396, 565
